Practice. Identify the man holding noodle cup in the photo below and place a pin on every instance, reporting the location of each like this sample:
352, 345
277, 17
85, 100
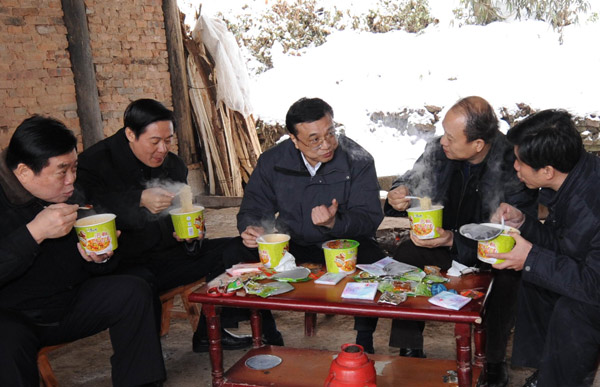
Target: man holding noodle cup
134, 175
468, 171
558, 313
51, 290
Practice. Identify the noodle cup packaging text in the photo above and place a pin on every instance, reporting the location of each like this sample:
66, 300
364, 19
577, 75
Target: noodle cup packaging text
503, 243
188, 224
423, 223
97, 233
340, 255
272, 247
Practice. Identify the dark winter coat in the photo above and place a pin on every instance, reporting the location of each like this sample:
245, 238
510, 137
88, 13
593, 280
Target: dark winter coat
39, 280
282, 184
469, 193
113, 178
565, 257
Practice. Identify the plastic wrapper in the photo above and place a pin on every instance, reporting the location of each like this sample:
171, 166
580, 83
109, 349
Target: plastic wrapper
437, 288
472, 293
434, 270
234, 285
393, 298
364, 276
413, 275
422, 290
435, 279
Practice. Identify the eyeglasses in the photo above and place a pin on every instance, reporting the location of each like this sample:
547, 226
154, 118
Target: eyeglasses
316, 143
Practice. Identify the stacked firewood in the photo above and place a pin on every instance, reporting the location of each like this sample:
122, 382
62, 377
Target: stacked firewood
228, 139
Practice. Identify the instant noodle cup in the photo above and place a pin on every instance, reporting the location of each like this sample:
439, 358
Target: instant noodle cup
272, 247
340, 255
503, 243
188, 224
97, 233
423, 223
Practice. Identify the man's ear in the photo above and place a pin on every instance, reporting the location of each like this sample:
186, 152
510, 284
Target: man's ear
294, 140
23, 172
130, 134
548, 172
479, 145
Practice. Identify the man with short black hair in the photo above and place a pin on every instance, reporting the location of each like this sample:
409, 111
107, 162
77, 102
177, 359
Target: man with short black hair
128, 174
558, 317
322, 185
49, 294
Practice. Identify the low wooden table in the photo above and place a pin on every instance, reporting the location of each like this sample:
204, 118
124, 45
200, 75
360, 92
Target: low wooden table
313, 298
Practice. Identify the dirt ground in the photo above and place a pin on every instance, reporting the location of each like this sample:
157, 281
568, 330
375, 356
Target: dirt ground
87, 361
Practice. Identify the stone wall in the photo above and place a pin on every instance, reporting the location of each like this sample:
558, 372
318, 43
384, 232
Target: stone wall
128, 46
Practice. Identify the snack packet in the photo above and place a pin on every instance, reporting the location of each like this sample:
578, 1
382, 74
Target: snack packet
393, 298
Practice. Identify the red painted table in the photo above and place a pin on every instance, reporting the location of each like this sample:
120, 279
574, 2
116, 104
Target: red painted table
313, 298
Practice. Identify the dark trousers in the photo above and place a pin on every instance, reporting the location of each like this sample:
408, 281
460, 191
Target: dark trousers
501, 308
558, 335
368, 252
120, 303
173, 267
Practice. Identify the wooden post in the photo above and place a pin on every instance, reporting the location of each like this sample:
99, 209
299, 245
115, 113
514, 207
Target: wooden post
86, 91
179, 84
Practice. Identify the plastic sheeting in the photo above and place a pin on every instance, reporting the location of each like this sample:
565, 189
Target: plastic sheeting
233, 84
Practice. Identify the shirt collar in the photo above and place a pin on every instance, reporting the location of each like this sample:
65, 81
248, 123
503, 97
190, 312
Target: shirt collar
312, 170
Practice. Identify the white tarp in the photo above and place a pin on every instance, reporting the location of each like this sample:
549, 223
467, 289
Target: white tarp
233, 85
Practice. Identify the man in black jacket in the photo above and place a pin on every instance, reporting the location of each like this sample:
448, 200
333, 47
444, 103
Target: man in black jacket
316, 186
558, 316
49, 294
134, 175
469, 171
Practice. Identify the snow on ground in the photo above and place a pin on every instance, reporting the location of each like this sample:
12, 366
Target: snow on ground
359, 73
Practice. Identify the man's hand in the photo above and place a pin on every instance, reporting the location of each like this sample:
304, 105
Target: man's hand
323, 215
52, 222
250, 234
397, 198
93, 257
512, 216
156, 199
514, 259
446, 238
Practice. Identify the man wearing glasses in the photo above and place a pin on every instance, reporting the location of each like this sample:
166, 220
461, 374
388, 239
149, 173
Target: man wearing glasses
321, 186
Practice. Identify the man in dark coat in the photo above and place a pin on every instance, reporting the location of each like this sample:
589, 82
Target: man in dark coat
469, 171
49, 294
134, 175
321, 185
558, 316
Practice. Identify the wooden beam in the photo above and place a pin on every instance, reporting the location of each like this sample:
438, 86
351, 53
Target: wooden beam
86, 90
179, 83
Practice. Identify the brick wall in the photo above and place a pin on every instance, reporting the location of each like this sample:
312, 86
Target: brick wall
128, 46
130, 55
35, 70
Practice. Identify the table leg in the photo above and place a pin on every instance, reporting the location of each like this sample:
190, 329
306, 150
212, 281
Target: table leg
256, 325
480, 346
310, 324
215, 350
462, 333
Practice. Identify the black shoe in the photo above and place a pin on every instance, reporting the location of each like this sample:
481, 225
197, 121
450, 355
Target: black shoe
532, 381
228, 341
274, 338
365, 339
497, 374
412, 352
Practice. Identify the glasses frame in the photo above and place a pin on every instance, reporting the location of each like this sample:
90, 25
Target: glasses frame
317, 142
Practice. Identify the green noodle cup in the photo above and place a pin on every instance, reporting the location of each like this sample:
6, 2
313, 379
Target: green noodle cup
272, 247
340, 255
188, 225
97, 233
503, 243
423, 223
